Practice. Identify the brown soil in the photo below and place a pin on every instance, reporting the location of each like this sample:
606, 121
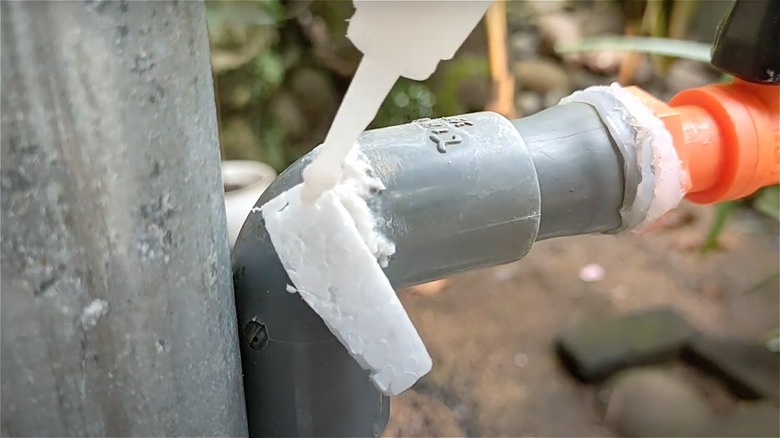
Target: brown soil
490, 332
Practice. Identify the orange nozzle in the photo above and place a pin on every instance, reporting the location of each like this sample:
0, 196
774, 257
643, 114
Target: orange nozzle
727, 137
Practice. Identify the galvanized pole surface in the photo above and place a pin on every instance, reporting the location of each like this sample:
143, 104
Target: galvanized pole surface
118, 314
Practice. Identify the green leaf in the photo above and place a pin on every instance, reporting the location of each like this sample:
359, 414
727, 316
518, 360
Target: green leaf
722, 213
773, 341
652, 46
768, 202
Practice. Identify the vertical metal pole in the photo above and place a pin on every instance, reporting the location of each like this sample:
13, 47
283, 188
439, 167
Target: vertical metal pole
118, 315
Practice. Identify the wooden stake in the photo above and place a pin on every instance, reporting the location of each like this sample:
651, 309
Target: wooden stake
503, 91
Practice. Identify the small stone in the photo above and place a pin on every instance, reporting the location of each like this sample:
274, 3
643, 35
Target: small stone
523, 45
559, 28
751, 420
596, 349
750, 370
654, 403
529, 103
521, 360
584, 78
592, 272
604, 61
541, 76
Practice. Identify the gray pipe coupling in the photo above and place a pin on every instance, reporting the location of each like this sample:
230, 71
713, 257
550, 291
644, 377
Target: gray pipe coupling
461, 193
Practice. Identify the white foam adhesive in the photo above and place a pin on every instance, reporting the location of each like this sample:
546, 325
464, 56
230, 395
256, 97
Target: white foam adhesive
369, 87
330, 250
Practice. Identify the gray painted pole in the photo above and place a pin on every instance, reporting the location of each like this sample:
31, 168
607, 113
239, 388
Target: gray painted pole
118, 315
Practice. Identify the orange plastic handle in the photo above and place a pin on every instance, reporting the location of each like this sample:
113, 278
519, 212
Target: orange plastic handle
727, 136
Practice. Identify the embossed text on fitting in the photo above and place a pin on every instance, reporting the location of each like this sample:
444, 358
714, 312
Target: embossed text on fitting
444, 132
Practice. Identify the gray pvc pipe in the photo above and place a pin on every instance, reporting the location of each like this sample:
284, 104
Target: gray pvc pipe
462, 193
579, 169
118, 316
472, 203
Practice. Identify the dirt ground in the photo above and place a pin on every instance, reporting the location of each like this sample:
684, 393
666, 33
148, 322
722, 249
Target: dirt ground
490, 332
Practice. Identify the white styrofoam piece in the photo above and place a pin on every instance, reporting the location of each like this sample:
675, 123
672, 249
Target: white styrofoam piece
335, 272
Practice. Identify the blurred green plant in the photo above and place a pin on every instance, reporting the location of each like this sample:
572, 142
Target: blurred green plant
773, 341
458, 86
768, 202
247, 71
665, 19
722, 212
281, 66
648, 45
270, 69
765, 201
408, 100
239, 31
461, 84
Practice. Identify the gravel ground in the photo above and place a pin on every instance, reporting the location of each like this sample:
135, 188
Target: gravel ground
490, 332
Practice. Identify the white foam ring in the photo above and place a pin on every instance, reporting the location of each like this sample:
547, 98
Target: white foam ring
662, 176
